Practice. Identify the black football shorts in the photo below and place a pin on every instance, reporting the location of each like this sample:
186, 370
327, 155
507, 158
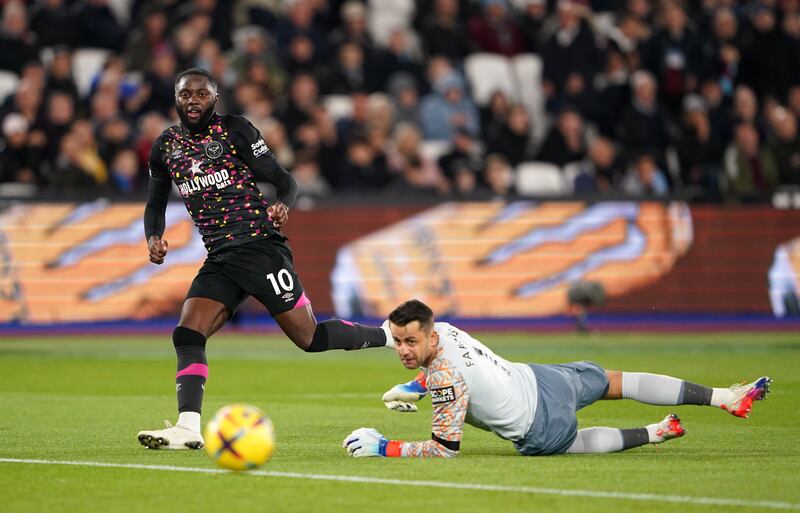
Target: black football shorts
262, 268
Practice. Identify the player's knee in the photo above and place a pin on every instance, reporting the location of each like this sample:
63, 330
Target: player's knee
318, 342
302, 338
614, 389
183, 337
204, 316
195, 324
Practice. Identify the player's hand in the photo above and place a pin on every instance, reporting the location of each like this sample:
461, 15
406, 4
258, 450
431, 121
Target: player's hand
278, 213
365, 442
401, 398
157, 248
401, 406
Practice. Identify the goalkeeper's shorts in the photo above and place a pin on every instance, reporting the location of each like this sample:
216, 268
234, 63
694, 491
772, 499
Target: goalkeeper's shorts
563, 390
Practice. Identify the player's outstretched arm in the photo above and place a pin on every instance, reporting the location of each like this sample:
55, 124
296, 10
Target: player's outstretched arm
365, 442
401, 398
450, 398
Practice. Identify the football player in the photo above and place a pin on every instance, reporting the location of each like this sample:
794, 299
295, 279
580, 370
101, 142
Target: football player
532, 405
214, 161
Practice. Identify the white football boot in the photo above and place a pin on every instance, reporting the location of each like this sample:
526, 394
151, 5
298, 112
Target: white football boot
745, 394
173, 437
670, 427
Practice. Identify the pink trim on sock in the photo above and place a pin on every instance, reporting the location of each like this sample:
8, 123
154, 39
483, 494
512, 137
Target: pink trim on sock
195, 369
303, 301
347, 322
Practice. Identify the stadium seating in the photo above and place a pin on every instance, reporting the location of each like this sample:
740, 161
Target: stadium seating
386, 15
434, 149
8, 84
570, 171
487, 73
121, 10
539, 179
46, 55
17, 190
86, 63
528, 73
338, 106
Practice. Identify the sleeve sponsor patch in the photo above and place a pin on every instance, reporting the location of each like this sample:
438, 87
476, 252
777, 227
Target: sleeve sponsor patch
259, 148
442, 395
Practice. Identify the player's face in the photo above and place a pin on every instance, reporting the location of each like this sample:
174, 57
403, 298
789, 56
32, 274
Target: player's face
414, 346
195, 99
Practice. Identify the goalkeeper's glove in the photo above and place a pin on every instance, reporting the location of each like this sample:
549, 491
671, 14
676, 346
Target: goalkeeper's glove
365, 442
402, 397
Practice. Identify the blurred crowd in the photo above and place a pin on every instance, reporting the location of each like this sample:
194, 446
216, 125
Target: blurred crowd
698, 99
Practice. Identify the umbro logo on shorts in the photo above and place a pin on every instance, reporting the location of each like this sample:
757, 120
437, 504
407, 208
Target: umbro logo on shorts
288, 296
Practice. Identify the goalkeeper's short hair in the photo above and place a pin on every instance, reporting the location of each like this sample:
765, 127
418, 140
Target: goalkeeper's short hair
410, 311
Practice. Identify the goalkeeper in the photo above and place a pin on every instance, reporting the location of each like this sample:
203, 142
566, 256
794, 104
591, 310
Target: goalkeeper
532, 405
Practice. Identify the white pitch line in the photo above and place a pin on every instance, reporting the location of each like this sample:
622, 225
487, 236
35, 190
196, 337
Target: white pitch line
595, 494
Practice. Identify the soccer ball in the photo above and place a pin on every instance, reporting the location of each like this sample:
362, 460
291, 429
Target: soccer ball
240, 437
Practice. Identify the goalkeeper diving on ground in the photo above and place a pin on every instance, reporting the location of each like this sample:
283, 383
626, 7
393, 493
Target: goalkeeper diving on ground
532, 405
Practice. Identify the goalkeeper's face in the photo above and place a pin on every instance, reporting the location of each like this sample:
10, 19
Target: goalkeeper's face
415, 346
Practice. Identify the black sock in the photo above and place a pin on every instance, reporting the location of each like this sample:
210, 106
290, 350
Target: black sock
692, 393
190, 380
634, 438
339, 334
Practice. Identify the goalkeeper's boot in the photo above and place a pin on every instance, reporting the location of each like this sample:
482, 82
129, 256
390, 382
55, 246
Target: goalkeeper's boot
670, 427
744, 394
173, 437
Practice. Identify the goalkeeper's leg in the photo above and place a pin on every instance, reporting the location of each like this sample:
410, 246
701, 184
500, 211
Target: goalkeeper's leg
666, 390
605, 439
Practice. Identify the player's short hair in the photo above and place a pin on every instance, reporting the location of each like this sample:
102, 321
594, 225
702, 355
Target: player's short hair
199, 72
410, 311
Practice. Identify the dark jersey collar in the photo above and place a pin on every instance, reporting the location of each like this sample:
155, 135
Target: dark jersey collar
214, 119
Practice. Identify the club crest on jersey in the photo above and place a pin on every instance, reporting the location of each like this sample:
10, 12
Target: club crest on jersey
443, 395
213, 149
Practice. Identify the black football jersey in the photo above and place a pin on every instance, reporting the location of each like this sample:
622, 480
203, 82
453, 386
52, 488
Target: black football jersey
215, 172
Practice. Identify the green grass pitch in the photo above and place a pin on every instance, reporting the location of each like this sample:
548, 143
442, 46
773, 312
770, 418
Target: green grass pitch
82, 399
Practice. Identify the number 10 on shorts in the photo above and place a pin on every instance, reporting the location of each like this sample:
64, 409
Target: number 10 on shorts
283, 281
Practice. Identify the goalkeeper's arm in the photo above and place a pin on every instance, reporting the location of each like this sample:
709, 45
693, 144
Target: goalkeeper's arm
450, 400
